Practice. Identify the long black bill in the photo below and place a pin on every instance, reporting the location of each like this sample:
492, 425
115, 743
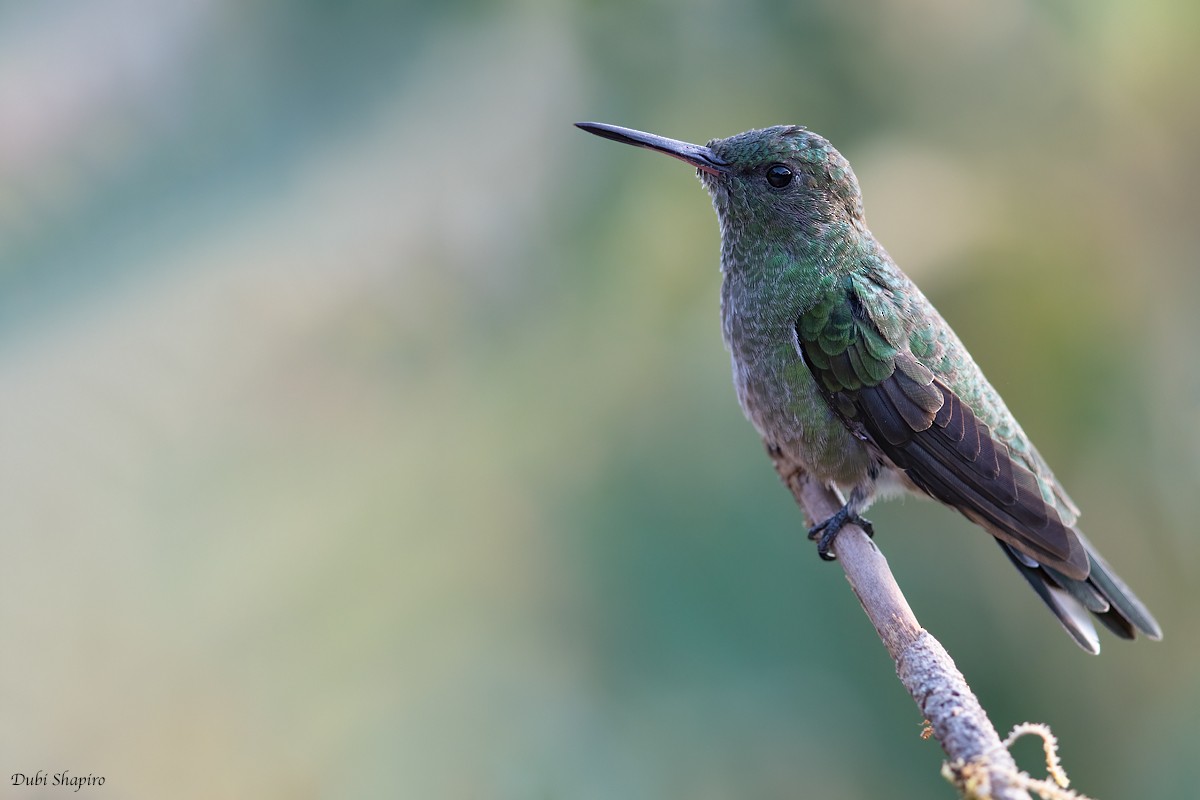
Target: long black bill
698, 156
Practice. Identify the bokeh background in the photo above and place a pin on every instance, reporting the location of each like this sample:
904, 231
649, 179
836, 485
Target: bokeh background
366, 431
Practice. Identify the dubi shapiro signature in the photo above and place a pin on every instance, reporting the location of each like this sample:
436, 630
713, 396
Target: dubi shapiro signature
64, 778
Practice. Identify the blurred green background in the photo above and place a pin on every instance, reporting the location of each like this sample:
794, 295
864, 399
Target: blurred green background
366, 430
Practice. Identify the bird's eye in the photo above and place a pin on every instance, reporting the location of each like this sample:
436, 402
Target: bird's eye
778, 175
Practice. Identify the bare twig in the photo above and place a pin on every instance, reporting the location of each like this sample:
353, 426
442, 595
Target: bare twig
979, 764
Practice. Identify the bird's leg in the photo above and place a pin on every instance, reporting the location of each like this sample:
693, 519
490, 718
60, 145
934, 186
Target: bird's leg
825, 532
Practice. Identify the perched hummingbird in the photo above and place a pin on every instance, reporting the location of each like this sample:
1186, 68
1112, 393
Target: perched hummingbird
850, 374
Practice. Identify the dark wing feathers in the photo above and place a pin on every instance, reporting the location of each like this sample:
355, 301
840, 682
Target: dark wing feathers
927, 430
961, 464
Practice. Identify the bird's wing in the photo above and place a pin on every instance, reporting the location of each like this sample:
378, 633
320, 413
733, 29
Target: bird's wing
883, 392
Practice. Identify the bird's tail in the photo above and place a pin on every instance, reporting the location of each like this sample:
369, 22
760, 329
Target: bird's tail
1102, 593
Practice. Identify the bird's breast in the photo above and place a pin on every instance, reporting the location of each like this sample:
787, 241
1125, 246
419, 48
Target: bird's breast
780, 397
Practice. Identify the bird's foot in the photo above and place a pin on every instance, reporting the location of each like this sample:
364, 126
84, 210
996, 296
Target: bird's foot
824, 533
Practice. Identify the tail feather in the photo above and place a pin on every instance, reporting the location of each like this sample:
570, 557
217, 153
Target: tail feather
1102, 593
1124, 602
1118, 624
1083, 591
1067, 609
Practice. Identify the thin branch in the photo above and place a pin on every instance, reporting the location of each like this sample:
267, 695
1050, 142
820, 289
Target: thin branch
980, 764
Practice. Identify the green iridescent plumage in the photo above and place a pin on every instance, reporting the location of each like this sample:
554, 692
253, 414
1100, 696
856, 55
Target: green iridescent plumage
848, 372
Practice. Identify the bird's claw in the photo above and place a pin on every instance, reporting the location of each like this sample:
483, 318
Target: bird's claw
825, 532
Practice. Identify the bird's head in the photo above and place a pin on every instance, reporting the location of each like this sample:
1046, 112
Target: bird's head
774, 180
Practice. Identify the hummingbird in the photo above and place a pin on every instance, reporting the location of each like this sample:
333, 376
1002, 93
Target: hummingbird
851, 375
